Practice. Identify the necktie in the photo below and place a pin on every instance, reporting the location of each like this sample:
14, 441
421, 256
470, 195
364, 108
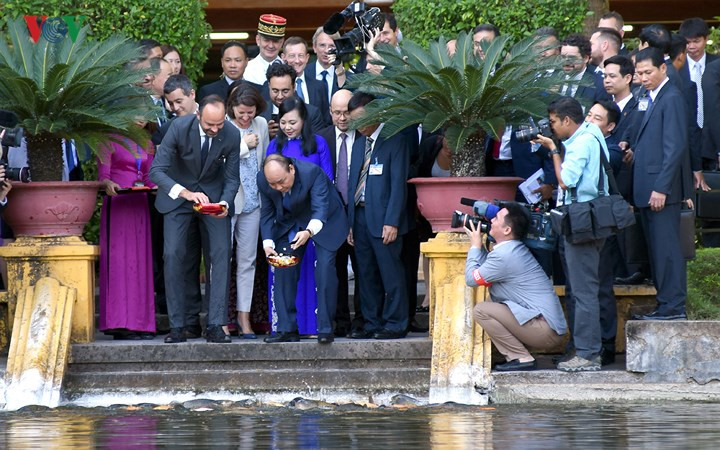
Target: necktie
698, 85
496, 149
298, 89
286, 201
324, 74
341, 177
205, 150
360, 191
69, 155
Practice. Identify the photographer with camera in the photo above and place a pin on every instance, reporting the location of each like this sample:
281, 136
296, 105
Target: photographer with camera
578, 170
524, 309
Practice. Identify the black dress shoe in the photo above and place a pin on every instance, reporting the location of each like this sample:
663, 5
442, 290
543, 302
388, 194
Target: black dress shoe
192, 332
656, 315
389, 334
515, 365
415, 327
636, 278
341, 332
325, 338
361, 334
291, 336
607, 356
216, 335
176, 335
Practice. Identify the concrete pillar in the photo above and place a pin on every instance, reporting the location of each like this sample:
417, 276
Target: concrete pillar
68, 259
461, 350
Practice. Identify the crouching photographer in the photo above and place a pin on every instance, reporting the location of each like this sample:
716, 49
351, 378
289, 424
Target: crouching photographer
524, 309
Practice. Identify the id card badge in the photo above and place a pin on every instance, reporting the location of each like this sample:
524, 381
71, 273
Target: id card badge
643, 104
375, 169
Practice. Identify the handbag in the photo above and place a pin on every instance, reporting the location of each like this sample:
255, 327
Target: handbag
599, 218
707, 204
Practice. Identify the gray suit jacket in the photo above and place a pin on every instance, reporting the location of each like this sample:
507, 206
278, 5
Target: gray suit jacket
178, 161
518, 281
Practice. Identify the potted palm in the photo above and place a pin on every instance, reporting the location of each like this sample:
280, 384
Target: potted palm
466, 96
68, 89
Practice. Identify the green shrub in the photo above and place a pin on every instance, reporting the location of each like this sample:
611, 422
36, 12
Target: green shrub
703, 296
177, 22
423, 21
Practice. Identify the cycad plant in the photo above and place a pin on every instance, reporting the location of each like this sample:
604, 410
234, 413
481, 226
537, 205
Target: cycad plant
466, 96
83, 90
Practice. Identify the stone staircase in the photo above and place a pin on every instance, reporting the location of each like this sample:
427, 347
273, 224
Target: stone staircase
250, 366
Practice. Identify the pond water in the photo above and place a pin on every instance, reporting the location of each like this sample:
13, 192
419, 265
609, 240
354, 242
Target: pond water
675, 425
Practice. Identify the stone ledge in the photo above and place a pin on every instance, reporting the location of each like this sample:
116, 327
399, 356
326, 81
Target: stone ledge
674, 351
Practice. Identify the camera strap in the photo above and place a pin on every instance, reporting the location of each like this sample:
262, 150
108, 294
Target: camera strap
604, 165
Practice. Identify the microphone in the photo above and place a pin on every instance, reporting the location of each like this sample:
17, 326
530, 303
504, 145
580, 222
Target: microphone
334, 23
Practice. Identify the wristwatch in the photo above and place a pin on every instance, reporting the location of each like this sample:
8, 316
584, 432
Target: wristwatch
554, 152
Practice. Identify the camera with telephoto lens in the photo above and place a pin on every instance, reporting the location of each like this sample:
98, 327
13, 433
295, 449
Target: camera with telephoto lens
484, 213
12, 136
528, 134
540, 234
354, 40
461, 220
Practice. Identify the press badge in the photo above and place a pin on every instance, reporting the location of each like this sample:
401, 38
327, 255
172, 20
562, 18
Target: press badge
643, 104
375, 169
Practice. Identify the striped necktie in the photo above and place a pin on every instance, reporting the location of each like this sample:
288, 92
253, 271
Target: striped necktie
360, 191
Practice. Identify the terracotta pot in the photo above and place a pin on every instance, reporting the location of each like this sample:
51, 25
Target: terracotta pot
438, 197
51, 208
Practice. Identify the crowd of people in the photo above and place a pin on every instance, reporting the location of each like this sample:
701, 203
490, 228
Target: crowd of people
651, 113
271, 142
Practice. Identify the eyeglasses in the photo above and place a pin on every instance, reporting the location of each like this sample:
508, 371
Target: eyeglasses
340, 113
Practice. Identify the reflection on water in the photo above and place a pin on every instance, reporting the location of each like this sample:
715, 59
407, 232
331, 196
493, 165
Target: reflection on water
515, 427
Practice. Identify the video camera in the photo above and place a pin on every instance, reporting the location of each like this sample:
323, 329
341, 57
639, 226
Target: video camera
354, 40
528, 134
12, 136
540, 233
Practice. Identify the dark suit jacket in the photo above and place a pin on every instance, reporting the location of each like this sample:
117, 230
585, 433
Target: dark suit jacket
311, 74
178, 161
711, 105
318, 98
328, 133
218, 87
385, 194
316, 121
312, 196
661, 148
625, 122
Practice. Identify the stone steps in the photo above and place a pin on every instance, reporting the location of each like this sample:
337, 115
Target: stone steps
243, 366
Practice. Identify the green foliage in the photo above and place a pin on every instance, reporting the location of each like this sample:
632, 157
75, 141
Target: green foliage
703, 296
714, 36
462, 94
73, 90
424, 21
177, 22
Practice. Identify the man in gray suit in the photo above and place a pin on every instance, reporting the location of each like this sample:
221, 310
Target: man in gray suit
660, 149
524, 309
197, 162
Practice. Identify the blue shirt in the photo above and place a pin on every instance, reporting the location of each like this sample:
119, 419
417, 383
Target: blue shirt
581, 166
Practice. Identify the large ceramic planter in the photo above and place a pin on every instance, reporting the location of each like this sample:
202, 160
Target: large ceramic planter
438, 197
51, 208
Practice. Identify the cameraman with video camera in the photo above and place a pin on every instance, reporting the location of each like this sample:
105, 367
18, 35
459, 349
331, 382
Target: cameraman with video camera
578, 170
524, 309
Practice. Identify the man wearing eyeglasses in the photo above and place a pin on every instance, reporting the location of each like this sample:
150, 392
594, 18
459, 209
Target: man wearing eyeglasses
340, 140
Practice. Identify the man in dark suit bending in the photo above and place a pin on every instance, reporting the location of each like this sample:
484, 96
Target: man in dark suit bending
197, 162
300, 203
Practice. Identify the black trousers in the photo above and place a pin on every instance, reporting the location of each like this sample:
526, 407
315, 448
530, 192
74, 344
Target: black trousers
342, 313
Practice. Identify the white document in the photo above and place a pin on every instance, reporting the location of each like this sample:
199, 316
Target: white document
532, 183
